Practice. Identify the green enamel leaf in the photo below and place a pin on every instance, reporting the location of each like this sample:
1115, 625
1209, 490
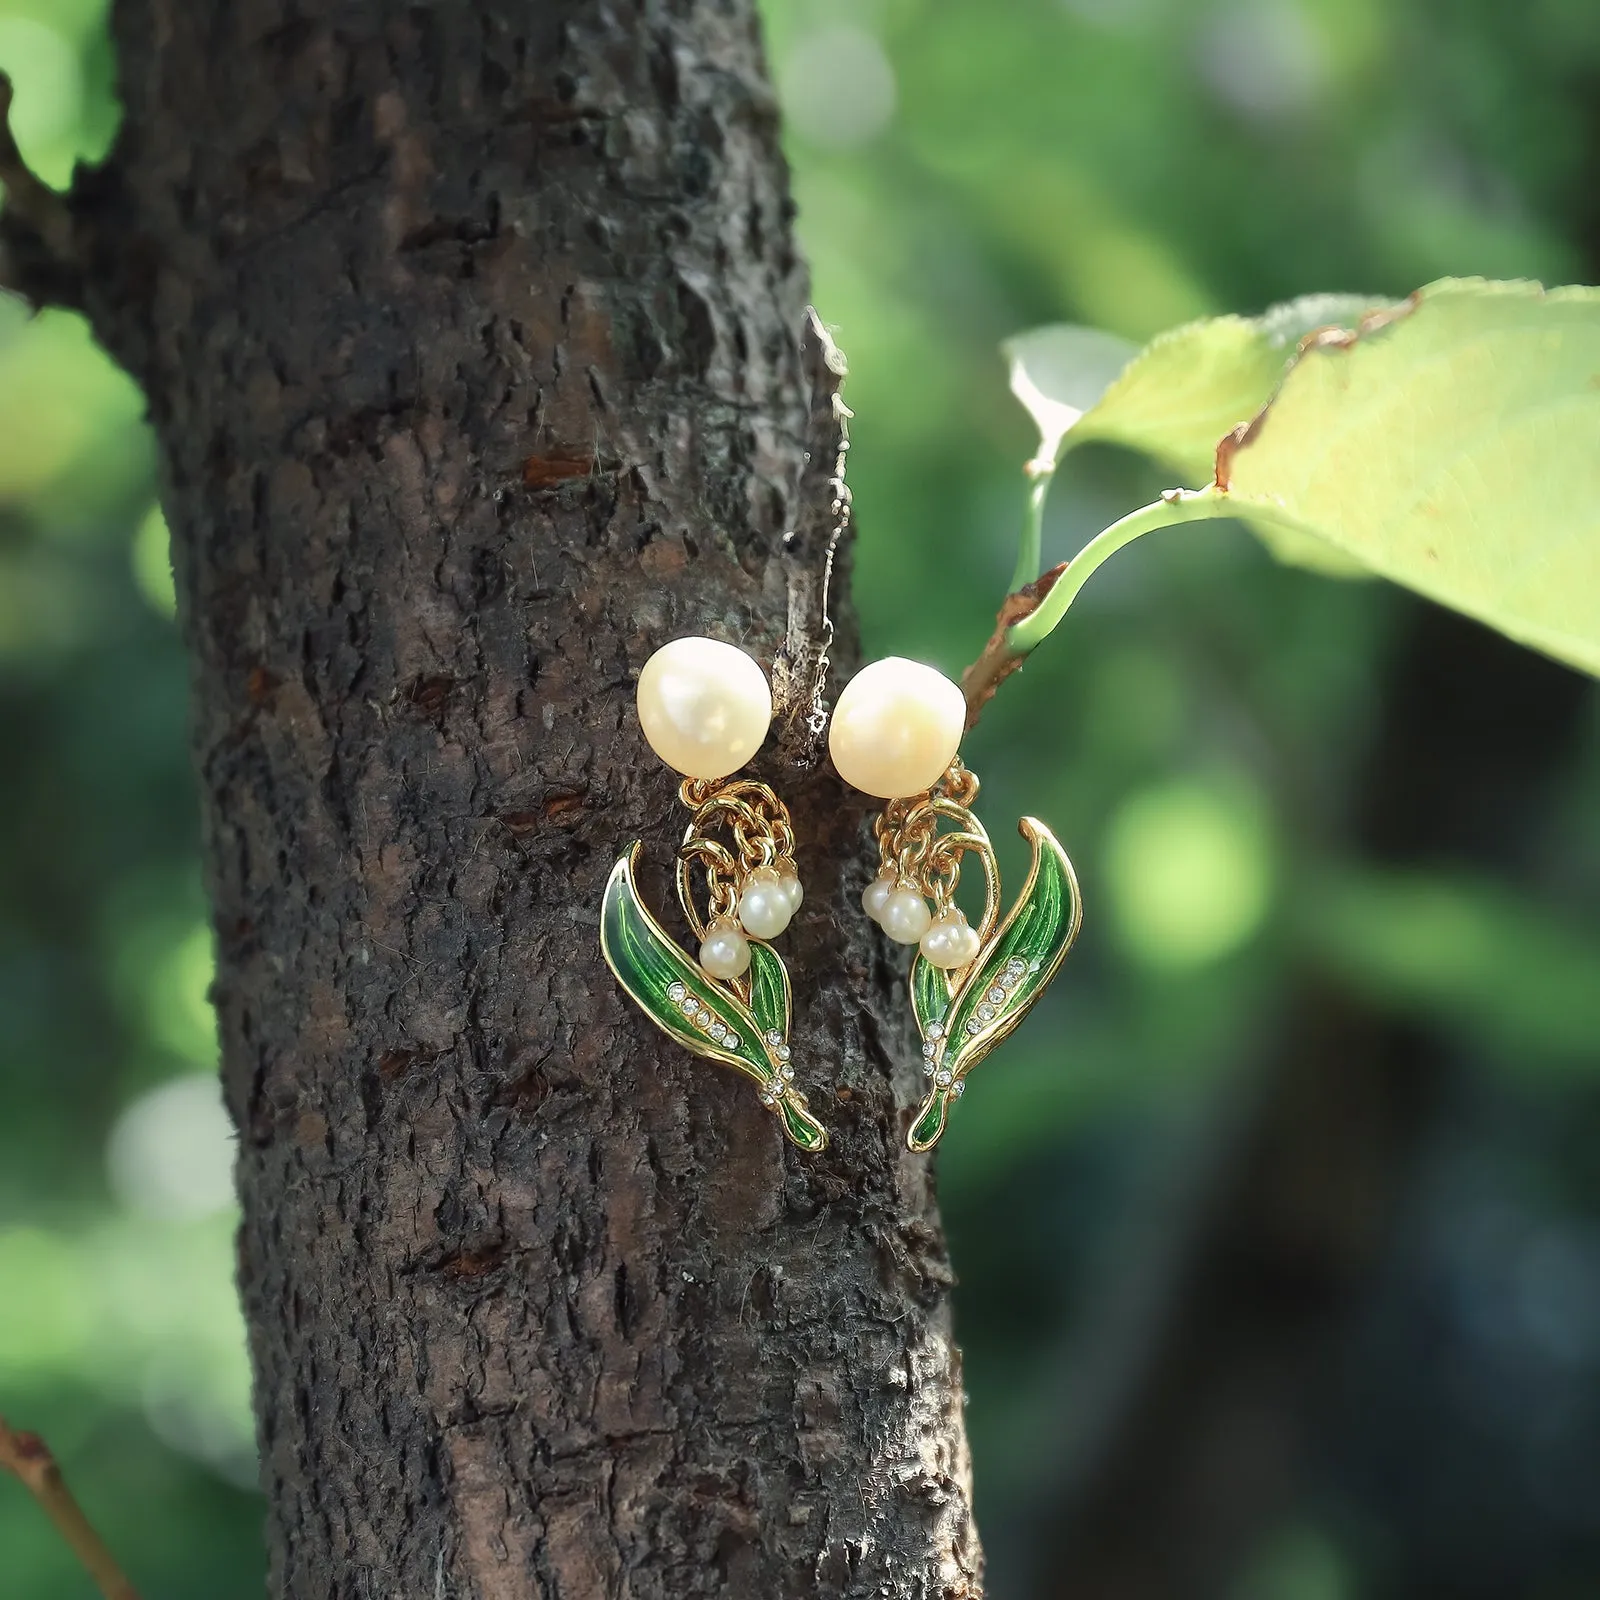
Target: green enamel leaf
650, 966
648, 963
1017, 964
1175, 398
1021, 959
769, 988
1454, 449
802, 1128
931, 1118
930, 993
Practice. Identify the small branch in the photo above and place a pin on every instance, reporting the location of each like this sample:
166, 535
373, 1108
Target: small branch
28, 1458
1028, 615
37, 242
821, 521
999, 659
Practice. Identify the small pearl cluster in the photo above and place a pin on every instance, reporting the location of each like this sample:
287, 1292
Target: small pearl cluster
768, 898
949, 942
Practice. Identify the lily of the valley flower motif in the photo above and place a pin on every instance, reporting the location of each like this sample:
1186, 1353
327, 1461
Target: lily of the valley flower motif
740, 1022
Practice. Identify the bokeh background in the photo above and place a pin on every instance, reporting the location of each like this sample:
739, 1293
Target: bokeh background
1278, 1227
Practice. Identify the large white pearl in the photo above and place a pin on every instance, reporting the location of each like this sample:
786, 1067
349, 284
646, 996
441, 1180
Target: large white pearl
725, 952
896, 728
704, 706
875, 894
905, 916
950, 943
763, 904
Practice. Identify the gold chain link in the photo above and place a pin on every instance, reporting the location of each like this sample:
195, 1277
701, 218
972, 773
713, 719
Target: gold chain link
761, 836
911, 846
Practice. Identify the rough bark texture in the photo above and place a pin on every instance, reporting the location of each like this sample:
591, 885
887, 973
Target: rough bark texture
470, 335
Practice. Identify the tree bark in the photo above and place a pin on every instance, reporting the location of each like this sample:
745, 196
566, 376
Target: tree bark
470, 335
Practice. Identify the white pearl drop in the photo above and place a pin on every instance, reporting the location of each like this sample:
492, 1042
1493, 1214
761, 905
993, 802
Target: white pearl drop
725, 952
897, 726
792, 892
950, 943
876, 893
905, 916
704, 706
763, 905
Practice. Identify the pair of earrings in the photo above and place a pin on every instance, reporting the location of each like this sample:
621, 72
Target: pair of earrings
705, 708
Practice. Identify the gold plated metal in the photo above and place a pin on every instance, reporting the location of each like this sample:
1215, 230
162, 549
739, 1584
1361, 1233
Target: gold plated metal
964, 1013
738, 827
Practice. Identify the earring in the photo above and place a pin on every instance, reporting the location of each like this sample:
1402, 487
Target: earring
705, 708
895, 735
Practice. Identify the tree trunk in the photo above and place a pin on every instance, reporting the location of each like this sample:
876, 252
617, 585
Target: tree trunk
470, 334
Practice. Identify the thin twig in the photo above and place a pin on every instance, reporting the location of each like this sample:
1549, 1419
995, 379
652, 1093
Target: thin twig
1000, 656
28, 1457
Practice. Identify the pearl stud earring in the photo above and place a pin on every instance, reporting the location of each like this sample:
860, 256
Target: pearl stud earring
896, 735
705, 708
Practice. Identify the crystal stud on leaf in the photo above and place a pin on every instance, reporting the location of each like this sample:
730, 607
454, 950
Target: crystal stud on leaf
942, 1077
930, 1049
973, 1025
676, 993
786, 1071
985, 1012
732, 1041
783, 1052
718, 1032
995, 995
959, 1088
773, 1036
936, 1030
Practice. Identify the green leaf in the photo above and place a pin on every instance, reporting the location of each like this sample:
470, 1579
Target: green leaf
1059, 372
1454, 448
930, 993
1001, 986
1179, 395
769, 989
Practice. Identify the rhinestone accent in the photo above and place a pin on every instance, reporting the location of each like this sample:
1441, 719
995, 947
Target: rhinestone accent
936, 1030
773, 1036
959, 1088
996, 995
973, 1025
930, 1049
732, 1041
787, 1072
703, 1018
783, 1052
676, 993
718, 1032
766, 1099
942, 1077
690, 1005
985, 1012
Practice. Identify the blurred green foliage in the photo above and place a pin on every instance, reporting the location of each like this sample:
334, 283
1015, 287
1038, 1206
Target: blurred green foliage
963, 170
